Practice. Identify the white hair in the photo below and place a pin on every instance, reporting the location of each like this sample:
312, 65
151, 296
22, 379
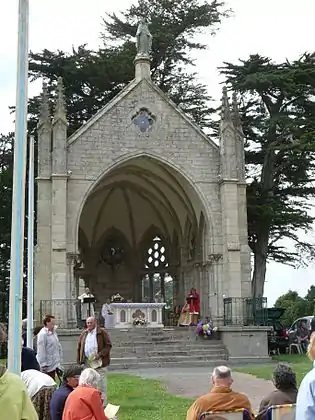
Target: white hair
90, 377
221, 372
24, 323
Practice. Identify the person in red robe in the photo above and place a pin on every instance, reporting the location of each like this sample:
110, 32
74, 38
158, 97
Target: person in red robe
193, 300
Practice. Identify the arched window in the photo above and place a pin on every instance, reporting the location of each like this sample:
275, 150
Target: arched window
157, 284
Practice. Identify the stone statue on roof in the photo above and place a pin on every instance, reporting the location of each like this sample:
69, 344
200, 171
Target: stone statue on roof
144, 39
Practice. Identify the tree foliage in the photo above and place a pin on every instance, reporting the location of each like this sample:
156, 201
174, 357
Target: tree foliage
278, 116
93, 78
296, 306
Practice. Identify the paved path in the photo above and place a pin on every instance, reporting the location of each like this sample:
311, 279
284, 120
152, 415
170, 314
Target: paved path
193, 382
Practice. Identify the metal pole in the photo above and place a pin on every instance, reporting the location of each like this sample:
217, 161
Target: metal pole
30, 247
18, 195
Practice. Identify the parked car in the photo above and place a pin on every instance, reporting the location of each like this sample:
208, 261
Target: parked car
278, 338
296, 324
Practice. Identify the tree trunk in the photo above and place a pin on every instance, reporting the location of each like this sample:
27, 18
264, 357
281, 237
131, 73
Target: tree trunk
260, 265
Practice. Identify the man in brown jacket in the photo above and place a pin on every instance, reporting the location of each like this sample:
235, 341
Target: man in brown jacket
94, 351
221, 397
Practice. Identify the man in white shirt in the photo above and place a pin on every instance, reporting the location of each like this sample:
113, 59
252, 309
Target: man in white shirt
94, 351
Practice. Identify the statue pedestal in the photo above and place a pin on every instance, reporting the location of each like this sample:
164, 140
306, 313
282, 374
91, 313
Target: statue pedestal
124, 314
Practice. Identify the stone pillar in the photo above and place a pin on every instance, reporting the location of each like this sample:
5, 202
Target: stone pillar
242, 202
42, 277
60, 267
229, 193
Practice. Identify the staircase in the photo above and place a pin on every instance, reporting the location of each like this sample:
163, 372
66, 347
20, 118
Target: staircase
175, 347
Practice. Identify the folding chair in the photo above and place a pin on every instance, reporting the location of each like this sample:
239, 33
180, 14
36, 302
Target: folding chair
281, 412
240, 414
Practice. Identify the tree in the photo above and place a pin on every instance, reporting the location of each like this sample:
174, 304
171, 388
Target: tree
278, 116
295, 307
6, 179
93, 78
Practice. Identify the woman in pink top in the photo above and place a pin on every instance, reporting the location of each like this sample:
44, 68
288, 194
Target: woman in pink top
85, 403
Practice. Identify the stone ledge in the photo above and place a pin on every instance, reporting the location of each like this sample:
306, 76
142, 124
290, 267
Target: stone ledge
240, 328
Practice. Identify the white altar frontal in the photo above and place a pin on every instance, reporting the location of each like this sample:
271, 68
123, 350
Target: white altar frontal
125, 315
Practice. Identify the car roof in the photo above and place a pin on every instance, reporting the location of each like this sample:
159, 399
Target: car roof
307, 318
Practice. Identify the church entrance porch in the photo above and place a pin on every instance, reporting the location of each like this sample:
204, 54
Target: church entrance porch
142, 233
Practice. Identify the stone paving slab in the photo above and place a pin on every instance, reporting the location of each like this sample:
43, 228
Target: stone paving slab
193, 382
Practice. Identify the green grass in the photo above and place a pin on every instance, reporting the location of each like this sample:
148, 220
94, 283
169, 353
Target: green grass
144, 399
300, 365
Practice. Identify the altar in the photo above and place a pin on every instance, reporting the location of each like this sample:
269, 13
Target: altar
130, 315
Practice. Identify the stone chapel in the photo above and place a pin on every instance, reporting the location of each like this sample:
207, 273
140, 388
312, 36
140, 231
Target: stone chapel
140, 201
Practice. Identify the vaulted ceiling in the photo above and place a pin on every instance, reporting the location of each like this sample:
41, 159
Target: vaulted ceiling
136, 195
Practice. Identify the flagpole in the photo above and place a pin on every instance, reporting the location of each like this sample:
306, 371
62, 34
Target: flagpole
30, 247
18, 194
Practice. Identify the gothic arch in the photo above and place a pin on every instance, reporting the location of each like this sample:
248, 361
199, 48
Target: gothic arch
167, 163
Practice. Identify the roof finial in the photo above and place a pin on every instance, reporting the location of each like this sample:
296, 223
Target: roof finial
44, 110
225, 107
236, 113
60, 104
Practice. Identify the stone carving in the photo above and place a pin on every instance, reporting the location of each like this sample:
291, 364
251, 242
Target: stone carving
143, 119
138, 314
144, 39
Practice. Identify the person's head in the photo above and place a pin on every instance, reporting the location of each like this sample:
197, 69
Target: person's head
49, 322
24, 324
36, 330
89, 377
91, 323
87, 291
72, 374
193, 291
283, 377
303, 323
222, 376
311, 348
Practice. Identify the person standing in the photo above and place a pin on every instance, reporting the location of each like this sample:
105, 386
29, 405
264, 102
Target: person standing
87, 309
70, 382
49, 351
193, 300
93, 351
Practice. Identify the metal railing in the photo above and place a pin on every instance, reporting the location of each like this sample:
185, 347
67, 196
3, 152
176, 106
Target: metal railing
245, 311
66, 311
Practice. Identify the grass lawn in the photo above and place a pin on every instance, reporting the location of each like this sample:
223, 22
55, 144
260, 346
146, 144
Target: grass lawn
144, 399
300, 364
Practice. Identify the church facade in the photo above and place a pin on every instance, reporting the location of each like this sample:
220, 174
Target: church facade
140, 202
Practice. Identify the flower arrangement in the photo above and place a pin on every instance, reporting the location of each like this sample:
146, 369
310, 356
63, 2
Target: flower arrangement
205, 329
117, 298
139, 321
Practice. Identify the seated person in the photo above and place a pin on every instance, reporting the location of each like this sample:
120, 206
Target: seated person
15, 404
311, 349
70, 382
28, 359
40, 388
305, 402
284, 380
85, 401
302, 335
221, 397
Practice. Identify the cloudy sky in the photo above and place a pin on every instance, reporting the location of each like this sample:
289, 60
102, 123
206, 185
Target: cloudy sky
276, 28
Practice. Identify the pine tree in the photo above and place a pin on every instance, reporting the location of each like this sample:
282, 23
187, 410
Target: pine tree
278, 115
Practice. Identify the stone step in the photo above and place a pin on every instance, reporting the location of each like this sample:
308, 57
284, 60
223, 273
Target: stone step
139, 342
169, 349
170, 358
144, 364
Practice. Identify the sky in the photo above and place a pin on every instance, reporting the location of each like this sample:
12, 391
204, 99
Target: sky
278, 29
